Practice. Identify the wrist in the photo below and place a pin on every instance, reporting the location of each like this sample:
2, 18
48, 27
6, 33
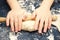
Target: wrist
47, 4
44, 8
18, 8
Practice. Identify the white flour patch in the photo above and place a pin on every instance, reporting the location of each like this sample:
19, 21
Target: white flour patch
12, 36
51, 37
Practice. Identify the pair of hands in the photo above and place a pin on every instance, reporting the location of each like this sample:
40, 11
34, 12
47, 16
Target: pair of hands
43, 19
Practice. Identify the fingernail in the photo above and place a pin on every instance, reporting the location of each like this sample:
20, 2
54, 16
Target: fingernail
39, 32
44, 32
49, 28
12, 30
16, 31
7, 24
19, 29
35, 28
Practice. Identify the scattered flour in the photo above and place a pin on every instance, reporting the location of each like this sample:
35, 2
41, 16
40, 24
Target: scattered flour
51, 37
12, 36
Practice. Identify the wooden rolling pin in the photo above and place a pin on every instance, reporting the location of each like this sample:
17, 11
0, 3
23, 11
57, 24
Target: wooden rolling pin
3, 19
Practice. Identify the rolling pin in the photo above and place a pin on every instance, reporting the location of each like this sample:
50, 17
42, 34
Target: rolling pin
3, 19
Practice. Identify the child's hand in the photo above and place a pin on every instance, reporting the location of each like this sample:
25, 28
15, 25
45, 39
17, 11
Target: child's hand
43, 19
14, 18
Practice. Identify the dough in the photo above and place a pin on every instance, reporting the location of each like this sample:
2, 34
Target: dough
28, 25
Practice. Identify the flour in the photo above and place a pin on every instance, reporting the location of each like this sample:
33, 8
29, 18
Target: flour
51, 37
12, 36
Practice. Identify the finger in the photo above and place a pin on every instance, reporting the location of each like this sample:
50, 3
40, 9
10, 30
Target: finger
49, 23
16, 24
45, 25
20, 23
41, 25
12, 23
7, 20
36, 23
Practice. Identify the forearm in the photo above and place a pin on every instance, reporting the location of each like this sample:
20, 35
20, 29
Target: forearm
13, 4
47, 3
